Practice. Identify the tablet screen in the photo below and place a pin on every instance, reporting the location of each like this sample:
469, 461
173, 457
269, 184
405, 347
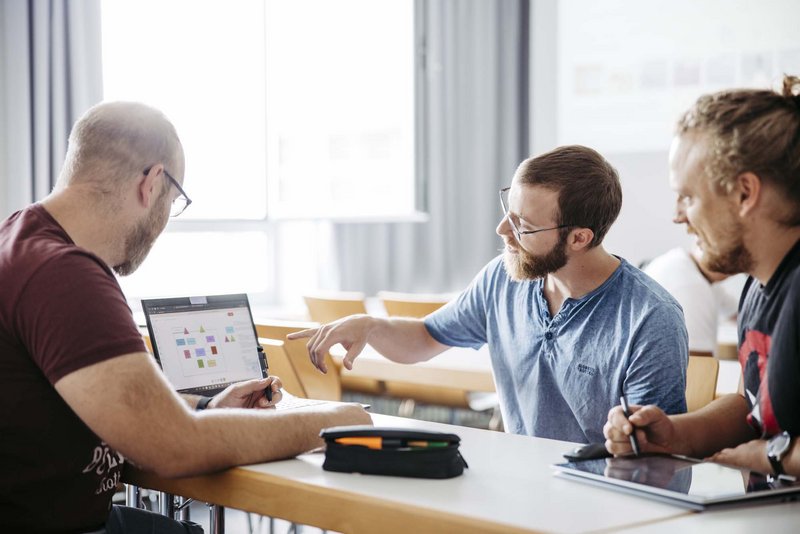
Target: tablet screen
679, 477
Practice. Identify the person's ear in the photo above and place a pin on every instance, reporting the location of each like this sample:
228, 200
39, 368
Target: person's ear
748, 192
580, 238
147, 189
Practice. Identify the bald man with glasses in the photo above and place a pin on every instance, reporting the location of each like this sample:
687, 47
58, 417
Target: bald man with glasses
569, 326
81, 395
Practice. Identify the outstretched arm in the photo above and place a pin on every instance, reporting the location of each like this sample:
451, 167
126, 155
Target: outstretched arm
399, 339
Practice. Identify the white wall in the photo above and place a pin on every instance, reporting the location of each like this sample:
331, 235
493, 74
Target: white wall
616, 75
644, 228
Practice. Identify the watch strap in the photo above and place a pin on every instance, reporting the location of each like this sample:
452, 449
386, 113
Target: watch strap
777, 466
775, 457
202, 404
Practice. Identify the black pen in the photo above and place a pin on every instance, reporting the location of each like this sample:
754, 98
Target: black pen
634, 442
268, 391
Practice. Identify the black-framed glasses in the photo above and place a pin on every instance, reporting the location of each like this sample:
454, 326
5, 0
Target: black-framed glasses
180, 203
515, 225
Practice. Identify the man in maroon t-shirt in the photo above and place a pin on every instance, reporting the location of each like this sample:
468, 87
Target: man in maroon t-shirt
735, 165
77, 388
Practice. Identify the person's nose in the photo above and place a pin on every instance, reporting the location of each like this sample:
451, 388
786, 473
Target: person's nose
504, 228
680, 214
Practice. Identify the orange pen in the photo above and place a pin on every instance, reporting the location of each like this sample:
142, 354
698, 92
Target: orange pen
373, 442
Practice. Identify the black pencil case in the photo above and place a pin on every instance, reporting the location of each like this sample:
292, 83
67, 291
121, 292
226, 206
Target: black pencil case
392, 451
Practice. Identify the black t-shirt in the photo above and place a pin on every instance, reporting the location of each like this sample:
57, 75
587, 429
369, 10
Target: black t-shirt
769, 348
61, 309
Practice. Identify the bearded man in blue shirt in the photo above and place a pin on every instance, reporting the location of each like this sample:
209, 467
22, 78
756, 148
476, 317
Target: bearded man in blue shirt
570, 327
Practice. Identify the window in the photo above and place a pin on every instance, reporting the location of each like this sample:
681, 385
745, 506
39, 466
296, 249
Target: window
207, 75
340, 112
287, 109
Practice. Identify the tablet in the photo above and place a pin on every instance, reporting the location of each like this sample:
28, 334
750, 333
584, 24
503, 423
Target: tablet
682, 481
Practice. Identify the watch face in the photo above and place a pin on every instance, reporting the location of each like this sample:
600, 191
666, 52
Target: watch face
778, 444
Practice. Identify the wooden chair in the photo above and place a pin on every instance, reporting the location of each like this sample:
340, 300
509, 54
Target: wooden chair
419, 305
325, 308
281, 366
701, 381
727, 351
316, 385
148, 343
410, 304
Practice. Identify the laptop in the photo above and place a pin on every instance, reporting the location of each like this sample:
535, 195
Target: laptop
204, 344
682, 481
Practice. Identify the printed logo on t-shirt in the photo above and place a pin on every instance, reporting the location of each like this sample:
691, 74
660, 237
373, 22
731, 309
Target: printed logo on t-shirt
753, 356
107, 464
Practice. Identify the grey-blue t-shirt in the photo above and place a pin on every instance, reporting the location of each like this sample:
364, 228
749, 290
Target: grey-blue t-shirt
557, 377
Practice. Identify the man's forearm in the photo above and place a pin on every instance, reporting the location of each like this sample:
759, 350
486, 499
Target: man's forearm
714, 427
190, 400
403, 340
223, 438
152, 426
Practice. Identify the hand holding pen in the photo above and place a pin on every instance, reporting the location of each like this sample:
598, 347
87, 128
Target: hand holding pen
627, 412
657, 432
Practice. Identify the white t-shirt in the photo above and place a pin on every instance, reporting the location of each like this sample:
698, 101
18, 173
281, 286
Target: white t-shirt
704, 304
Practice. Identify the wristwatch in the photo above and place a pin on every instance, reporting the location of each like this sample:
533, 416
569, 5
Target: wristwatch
202, 404
777, 447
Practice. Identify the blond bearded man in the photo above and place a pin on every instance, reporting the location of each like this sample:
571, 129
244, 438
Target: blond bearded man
735, 166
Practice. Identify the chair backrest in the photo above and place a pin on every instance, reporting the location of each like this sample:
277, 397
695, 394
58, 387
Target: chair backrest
727, 350
701, 381
281, 366
325, 308
315, 384
148, 343
410, 304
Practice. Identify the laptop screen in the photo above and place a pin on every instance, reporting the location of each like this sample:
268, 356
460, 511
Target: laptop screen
204, 344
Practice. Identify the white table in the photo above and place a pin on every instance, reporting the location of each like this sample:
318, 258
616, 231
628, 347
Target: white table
509, 487
766, 519
459, 368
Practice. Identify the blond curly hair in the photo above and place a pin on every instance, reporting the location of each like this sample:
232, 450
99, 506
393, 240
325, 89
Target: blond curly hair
749, 130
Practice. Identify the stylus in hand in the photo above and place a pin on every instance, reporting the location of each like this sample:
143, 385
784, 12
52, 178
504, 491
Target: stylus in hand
634, 442
263, 356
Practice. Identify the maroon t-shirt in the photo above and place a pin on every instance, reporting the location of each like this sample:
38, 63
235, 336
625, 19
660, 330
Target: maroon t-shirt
61, 309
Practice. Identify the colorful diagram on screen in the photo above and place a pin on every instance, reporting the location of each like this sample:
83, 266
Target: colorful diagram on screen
201, 349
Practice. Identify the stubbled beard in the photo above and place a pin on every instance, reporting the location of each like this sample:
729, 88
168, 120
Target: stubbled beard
141, 239
734, 259
524, 266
